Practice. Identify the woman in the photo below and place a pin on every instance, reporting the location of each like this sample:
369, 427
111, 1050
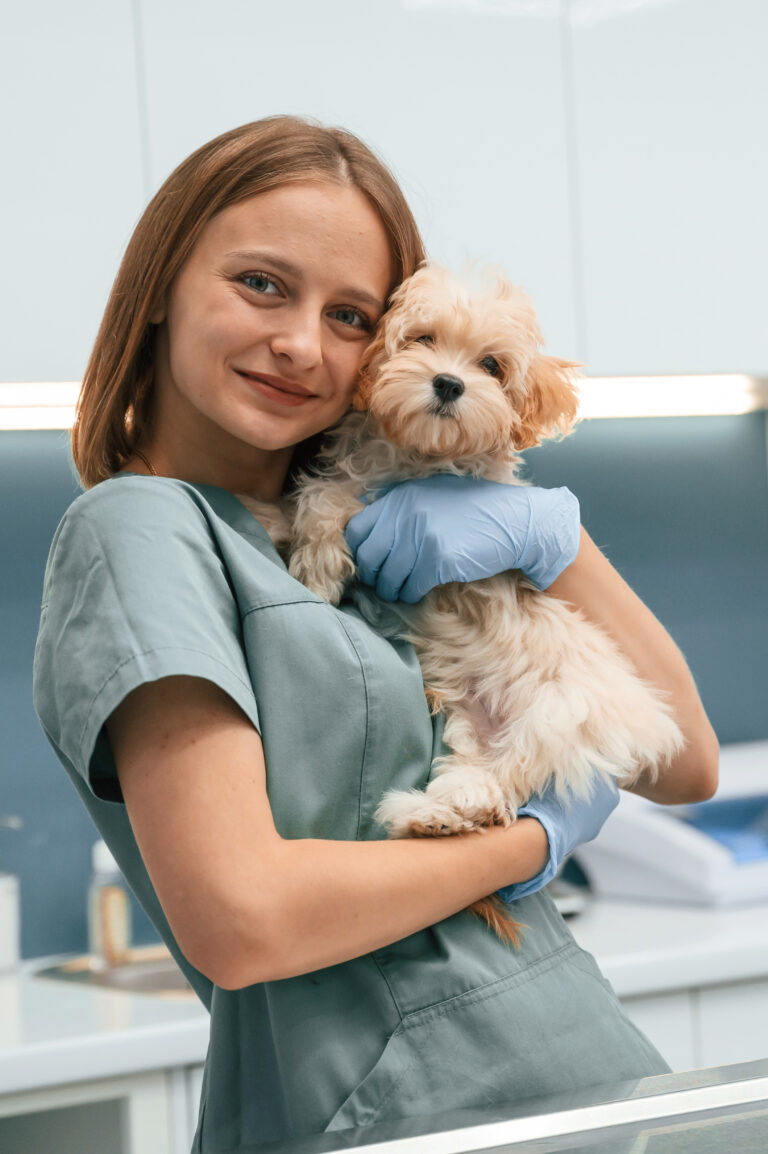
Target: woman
231, 734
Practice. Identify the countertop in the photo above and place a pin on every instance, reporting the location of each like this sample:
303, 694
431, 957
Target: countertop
54, 1031
648, 948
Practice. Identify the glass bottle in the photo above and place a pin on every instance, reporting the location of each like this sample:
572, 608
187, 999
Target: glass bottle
109, 911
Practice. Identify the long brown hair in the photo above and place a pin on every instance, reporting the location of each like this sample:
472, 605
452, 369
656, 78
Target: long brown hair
115, 401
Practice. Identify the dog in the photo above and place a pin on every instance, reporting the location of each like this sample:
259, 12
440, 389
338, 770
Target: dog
455, 380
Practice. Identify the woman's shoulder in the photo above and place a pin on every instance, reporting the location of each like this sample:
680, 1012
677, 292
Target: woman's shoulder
133, 523
129, 497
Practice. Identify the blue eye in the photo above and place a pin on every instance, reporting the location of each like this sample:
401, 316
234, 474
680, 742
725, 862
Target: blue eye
260, 283
352, 318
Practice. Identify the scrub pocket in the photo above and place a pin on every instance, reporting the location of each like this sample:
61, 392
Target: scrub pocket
488, 1046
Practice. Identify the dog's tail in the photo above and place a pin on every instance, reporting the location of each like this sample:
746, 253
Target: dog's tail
496, 914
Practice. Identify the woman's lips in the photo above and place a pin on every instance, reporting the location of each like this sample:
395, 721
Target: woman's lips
284, 393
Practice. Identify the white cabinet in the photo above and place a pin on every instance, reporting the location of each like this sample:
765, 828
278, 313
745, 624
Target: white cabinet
693, 978
194, 1087
707, 1026
72, 177
464, 101
670, 104
669, 1021
150, 1113
606, 153
733, 1023
129, 1115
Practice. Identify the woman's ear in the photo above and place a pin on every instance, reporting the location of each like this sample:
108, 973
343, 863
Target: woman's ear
551, 403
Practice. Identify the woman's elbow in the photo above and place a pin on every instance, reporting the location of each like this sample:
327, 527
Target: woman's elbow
229, 971
233, 968
708, 778
243, 967
236, 952
703, 776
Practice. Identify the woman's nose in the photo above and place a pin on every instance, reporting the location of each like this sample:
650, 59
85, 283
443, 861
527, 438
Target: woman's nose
300, 339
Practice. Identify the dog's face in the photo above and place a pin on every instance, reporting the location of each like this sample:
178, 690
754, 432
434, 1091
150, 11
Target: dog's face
455, 371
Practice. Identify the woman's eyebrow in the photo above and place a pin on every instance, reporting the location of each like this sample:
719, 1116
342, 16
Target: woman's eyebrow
293, 270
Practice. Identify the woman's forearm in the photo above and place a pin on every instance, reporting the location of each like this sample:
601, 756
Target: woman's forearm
248, 905
592, 585
336, 900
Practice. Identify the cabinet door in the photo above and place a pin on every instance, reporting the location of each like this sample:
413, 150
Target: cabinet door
72, 177
464, 101
670, 106
733, 1022
194, 1080
668, 1021
129, 1115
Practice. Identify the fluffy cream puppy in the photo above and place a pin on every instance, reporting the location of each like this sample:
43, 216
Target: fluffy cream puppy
455, 381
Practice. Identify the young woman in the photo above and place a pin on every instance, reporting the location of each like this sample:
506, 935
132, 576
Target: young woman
231, 734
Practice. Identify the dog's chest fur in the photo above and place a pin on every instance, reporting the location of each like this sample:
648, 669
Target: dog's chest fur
531, 690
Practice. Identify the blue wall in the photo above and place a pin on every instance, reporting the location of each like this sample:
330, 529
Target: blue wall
680, 506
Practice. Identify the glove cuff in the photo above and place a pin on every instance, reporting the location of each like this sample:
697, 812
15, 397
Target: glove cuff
544, 876
558, 541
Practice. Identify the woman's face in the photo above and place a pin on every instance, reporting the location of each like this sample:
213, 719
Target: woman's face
262, 333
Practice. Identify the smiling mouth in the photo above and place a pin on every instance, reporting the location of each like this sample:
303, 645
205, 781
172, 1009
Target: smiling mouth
277, 383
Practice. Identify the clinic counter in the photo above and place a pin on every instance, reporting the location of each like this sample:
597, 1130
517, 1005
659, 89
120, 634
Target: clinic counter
54, 1032
649, 948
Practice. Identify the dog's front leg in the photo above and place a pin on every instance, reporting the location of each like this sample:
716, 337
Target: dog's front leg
455, 801
321, 558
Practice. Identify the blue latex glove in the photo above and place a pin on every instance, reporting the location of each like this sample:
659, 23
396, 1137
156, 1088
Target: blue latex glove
430, 530
566, 827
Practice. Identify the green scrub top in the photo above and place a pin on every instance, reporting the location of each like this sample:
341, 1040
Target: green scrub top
151, 577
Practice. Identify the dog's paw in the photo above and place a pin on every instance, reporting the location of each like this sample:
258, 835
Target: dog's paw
413, 814
447, 807
474, 794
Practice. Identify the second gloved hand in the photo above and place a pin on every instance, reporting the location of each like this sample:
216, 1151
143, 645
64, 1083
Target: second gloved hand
428, 531
566, 826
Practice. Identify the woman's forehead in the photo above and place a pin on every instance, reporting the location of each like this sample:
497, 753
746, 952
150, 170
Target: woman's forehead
315, 208
307, 224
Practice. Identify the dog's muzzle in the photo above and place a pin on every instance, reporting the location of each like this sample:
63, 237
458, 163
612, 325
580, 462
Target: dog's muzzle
447, 388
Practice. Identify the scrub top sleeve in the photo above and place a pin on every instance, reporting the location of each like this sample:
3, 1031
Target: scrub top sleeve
135, 590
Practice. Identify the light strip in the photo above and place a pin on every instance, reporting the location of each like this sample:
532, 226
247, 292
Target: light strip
51, 405
718, 394
38, 404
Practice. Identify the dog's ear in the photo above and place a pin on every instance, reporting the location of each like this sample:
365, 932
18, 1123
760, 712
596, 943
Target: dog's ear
362, 396
551, 402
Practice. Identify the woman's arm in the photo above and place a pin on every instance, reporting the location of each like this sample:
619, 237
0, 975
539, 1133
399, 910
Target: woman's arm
592, 585
247, 905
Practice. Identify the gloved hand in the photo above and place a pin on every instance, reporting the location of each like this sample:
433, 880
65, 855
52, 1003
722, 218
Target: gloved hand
429, 530
566, 827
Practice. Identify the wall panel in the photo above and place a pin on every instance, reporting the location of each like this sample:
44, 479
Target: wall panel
72, 179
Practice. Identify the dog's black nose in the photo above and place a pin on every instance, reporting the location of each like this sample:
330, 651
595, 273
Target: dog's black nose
448, 388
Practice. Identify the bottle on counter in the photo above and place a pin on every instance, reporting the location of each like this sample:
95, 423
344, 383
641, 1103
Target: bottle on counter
109, 911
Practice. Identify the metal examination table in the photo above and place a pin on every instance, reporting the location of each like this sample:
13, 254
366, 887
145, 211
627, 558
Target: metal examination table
697, 1112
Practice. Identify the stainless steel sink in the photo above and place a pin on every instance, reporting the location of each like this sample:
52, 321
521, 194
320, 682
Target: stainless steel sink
147, 970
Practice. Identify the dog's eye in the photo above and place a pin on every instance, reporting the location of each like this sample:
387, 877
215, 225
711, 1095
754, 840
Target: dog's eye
491, 365
425, 339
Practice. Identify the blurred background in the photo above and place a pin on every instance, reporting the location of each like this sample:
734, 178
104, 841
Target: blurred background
605, 152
